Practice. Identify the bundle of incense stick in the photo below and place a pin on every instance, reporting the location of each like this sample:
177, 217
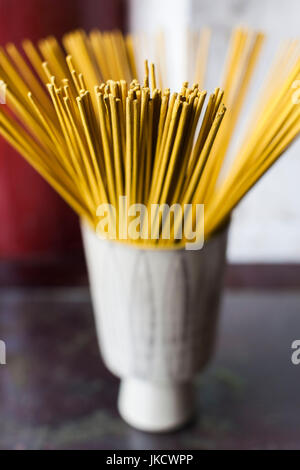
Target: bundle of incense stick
86, 124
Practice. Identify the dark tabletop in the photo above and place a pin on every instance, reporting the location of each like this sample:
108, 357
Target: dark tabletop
55, 392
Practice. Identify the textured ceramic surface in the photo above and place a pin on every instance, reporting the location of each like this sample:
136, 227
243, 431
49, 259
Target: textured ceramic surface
156, 311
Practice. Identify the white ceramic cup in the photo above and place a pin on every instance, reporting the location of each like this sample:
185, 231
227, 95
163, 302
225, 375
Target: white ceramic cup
156, 314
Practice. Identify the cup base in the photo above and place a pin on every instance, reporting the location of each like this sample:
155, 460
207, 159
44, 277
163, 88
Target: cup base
153, 407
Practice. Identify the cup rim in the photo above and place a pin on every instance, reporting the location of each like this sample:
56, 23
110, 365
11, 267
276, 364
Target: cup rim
221, 231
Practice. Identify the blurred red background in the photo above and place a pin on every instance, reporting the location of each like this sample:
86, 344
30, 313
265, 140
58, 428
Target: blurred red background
34, 220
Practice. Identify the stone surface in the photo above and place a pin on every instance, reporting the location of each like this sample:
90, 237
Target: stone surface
55, 392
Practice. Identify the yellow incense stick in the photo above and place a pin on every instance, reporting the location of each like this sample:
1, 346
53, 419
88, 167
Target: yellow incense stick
95, 133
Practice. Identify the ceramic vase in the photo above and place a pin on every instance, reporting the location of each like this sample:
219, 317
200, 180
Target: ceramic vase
156, 315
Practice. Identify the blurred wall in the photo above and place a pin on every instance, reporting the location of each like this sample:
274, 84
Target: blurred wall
171, 17
33, 218
266, 225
